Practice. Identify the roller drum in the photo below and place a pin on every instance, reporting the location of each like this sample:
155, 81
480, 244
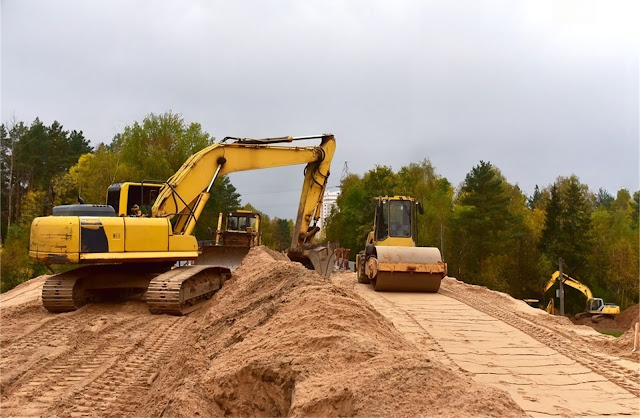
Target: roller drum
407, 269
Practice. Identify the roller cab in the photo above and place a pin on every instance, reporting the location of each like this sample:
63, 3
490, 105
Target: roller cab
391, 261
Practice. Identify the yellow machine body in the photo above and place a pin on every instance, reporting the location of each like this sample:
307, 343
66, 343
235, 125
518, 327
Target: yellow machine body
237, 233
93, 240
596, 308
148, 226
391, 261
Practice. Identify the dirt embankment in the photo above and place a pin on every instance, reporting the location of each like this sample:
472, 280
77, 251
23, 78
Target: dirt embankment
277, 340
582, 333
280, 340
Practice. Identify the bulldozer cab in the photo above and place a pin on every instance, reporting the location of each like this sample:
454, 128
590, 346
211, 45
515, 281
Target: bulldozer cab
395, 221
241, 228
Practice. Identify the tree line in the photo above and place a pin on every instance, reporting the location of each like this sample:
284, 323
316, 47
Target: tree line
490, 233
44, 166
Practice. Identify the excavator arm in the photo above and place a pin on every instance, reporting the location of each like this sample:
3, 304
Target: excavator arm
185, 194
571, 282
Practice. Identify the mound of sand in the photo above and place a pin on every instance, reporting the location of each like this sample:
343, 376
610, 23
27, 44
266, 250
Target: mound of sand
628, 318
280, 340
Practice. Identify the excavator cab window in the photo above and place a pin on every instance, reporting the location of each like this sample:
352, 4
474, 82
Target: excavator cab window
595, 304
136, 194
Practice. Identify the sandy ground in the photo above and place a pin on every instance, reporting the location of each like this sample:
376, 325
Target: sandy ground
279, 340
545, 368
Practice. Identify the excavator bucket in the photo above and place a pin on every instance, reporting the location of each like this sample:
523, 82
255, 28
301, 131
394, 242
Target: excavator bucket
223, 256
407, 269
320, 259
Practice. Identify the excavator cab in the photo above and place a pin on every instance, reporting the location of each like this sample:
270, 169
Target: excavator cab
595, 304
123, 196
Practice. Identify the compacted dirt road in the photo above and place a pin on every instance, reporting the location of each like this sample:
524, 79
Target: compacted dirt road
279, 340
547, 370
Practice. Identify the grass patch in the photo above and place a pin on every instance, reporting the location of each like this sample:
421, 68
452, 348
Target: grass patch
612, 333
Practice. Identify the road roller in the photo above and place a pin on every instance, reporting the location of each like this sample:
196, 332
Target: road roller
391, 261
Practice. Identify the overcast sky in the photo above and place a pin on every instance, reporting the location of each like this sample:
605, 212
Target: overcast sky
540, 89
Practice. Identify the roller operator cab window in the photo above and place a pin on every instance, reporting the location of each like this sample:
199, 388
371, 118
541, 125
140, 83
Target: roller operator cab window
393, 218
400, 219
382, 220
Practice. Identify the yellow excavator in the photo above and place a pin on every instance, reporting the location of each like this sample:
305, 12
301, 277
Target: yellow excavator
596, 308
237, 233
128, 251
391, 260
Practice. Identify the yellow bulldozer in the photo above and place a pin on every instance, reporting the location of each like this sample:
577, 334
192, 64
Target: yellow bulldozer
596, 308
237, 233
391, 260
129, 251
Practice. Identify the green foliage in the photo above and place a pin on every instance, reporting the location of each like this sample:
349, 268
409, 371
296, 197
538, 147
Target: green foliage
436, 194
32, 156
490, 233
354, 219
16, 264
44, 166
567, 225
612, 333
159, 145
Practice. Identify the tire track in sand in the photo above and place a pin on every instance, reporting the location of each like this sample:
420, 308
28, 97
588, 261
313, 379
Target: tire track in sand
599, 363
120, 389
95, 372
541, 379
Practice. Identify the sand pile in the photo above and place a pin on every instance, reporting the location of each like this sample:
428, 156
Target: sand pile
629, 317
280, 340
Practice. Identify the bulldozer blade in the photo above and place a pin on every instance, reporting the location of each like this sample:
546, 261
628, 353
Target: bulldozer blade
223, 256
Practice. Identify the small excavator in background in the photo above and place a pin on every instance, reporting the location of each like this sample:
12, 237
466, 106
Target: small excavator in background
596, 308
237, 233
128, 251
391, 260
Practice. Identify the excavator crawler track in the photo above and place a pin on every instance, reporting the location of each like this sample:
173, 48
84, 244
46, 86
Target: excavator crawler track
68, 291
181, 290
58, 292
